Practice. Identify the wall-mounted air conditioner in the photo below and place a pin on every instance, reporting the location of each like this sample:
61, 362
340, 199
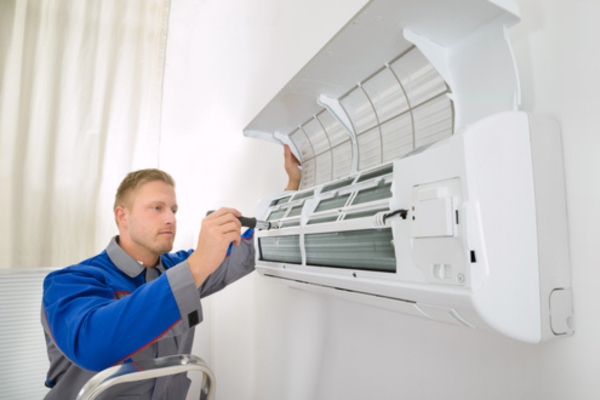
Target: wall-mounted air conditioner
424, 189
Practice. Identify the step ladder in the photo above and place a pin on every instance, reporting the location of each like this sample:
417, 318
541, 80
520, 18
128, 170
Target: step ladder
149, 369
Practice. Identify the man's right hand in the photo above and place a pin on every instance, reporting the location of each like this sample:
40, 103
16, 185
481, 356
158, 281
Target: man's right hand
218, 231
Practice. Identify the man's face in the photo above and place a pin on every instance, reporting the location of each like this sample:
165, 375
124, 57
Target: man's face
150, 222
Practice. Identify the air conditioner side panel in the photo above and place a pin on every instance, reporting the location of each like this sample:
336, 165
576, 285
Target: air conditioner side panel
499, 179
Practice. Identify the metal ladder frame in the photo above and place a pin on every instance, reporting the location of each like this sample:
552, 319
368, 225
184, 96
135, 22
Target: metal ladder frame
148, 369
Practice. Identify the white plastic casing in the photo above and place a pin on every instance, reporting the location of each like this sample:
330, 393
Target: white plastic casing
484, 241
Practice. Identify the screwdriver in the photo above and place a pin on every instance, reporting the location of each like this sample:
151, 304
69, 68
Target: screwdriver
251, 222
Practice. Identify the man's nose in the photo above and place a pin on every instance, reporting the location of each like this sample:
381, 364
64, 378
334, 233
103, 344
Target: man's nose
170, 217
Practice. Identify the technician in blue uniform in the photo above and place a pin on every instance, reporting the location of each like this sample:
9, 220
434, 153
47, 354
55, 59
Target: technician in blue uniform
135, 300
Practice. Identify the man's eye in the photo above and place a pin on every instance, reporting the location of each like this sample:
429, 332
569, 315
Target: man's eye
157, 208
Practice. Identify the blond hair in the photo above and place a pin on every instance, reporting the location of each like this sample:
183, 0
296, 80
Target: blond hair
134, 180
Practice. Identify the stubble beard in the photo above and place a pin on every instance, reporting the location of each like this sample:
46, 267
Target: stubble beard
164, 246
156, 245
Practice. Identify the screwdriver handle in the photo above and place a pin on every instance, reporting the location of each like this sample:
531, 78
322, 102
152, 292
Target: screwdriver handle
250, 222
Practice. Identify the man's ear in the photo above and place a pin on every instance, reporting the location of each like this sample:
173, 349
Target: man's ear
121, 216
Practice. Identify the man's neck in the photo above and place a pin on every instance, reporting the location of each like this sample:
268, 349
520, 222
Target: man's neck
146, 259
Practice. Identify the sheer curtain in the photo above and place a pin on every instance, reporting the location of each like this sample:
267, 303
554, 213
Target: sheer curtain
80, 101
80, 97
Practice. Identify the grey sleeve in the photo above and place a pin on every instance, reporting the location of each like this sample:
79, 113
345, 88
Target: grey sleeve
235, 266
186, 295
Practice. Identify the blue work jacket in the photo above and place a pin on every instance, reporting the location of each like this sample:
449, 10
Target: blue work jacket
104, 312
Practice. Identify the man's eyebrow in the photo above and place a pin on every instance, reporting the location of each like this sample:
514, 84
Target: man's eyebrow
161, 202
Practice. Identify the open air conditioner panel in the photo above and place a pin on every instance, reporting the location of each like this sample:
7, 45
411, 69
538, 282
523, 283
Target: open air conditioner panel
424, 190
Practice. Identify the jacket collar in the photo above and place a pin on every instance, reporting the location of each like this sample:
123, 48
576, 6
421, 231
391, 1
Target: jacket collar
124, 261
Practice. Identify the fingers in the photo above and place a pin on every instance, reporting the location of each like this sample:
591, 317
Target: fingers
223, 226
289, 157
219, 229
292, 168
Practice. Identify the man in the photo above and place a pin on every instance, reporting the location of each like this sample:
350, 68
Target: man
135, 300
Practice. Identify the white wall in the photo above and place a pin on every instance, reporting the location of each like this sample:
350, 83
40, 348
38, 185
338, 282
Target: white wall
225, 61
